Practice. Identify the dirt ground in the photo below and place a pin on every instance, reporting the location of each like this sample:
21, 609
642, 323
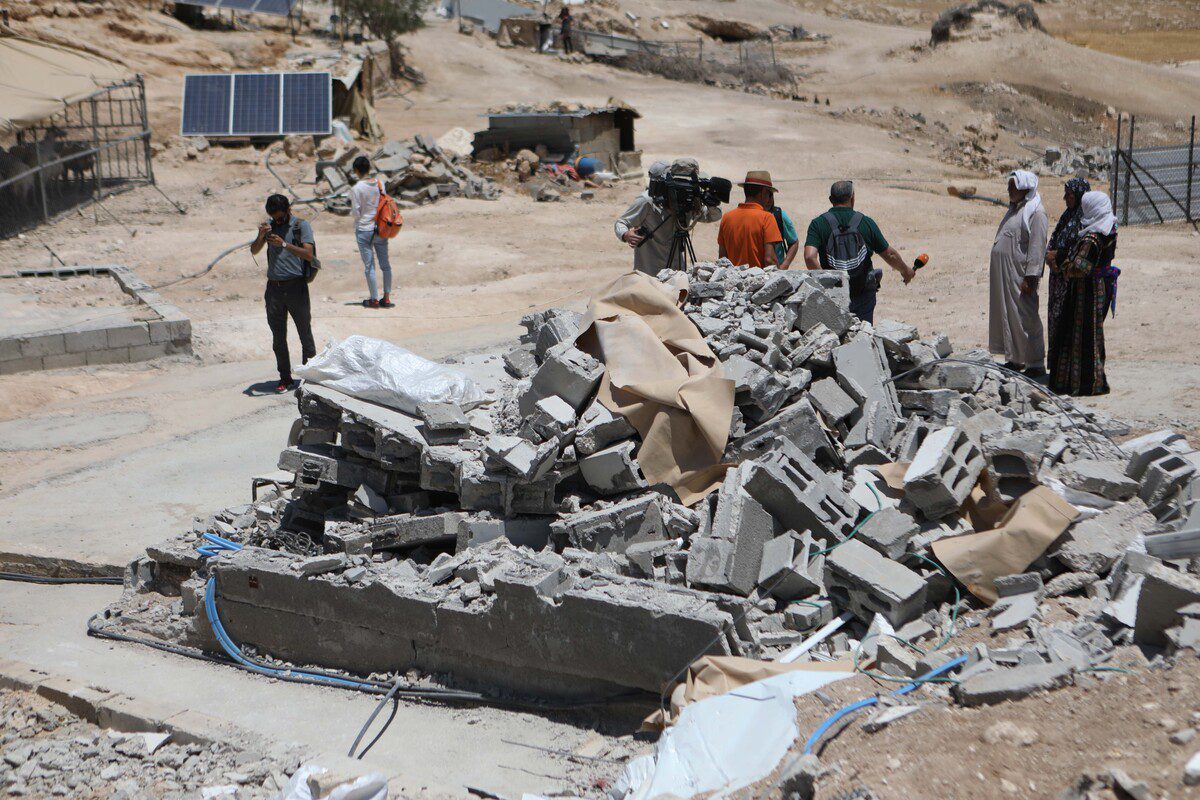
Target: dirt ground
463, 267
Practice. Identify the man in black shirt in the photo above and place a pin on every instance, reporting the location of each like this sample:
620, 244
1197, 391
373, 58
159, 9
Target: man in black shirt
290, 244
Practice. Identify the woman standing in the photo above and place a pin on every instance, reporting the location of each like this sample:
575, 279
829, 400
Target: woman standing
1066, 233
1077, 366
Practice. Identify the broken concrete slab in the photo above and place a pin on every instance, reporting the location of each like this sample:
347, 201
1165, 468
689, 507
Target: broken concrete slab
864, 582
1104, 478
998, 685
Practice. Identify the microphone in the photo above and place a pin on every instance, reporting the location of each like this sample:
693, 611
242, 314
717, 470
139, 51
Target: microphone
920, 261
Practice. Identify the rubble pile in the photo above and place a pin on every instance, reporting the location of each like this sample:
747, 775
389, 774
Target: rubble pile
518, 544
415, 172
1075, 160
46, 751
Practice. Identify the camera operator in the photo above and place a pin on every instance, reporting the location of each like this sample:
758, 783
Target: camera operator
646, 225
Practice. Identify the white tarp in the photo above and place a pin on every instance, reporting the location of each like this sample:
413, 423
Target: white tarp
725, 743
384, 373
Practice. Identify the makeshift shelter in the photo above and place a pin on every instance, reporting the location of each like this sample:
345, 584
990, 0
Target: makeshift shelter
356, 72
604, 133
73, 129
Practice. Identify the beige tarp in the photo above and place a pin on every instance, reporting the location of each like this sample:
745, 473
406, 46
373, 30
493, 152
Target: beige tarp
715, 675
37, 80
662, 376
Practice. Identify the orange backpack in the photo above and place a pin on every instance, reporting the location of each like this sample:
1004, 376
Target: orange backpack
388, 220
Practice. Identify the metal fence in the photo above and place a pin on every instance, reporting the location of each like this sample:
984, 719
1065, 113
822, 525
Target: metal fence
1154, 184
92, 148
596, 43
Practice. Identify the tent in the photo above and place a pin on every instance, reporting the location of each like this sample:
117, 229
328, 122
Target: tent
38, 80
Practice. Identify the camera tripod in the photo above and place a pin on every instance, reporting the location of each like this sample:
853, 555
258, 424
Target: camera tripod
681, 242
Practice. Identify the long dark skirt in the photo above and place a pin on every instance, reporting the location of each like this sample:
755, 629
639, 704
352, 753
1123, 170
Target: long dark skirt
1077, 360
1054, 303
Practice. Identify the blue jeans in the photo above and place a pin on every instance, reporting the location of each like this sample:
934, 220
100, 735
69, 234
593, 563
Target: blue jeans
374, 249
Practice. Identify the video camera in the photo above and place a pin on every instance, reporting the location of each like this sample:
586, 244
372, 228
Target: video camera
688, 193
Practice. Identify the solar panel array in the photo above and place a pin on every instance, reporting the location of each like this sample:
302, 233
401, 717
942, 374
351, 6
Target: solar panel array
280, 8
257, 104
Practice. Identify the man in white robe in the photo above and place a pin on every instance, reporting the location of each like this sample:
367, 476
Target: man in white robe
1018, 256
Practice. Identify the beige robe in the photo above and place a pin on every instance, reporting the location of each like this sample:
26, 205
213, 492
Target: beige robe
1015, 327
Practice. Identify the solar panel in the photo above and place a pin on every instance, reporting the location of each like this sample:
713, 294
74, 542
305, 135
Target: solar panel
257, 104
206, 104
307, 98
280, 8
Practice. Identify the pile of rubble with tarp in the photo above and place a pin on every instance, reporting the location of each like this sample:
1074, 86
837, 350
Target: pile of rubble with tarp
724, 462
415, 172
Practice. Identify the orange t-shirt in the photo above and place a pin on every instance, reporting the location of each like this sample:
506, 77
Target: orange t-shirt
745, 233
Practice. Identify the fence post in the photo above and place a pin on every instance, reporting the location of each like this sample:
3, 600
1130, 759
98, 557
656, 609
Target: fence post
774, 63
1191, 166
96, 144
1128, 171
701, 57
41, 177
1115, 176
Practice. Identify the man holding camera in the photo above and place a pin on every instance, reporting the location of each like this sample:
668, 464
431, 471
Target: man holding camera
649, 227
749, 232
290, 244
844, 239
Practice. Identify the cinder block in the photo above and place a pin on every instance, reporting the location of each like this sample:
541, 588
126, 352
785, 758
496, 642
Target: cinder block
146, 352
10, 349
797, 423
1164, 592
128, 335
64, 360
729, 558
85, 341
50, 344
816, 307
888, 531
943, 472
1104, 478
865, 583
598, 428
1151, 447
112, 355
20, 365
179, 328
613, 470
567, 372
1163, 478
998, 685
829, 399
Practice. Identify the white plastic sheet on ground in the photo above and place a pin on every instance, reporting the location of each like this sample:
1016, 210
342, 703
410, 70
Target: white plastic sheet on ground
384, 373
724, 743
372, 786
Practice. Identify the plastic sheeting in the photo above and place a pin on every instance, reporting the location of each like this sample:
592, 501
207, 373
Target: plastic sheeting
371, 786
384, 373
725, 743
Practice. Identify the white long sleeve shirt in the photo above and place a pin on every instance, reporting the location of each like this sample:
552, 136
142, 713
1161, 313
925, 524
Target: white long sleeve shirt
364, 200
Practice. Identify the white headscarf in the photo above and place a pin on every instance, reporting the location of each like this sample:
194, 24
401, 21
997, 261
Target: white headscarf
1096, 214
1025, 180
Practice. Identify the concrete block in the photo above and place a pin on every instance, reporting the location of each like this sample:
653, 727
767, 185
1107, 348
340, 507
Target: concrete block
531, 462
862, 362
567, 372
798, 494
942, 474
47, 344
1016, 455
808, 613
895, 658
112, 355
875, 428
998, 685
443, 417
1023, 583
10, 349
179, 329
816, 307
1164, 592
613, 470
1148, 448
797, 423
1104, 478
15, 365
1094, 544
83, 341
557, 328
75, 696
865, 583
147, 352
888, 532
1163, 478
728, 559
413, 530
933, 404
614, 528
128, 335
552, 418
531, 532
64, 360
831, 401
441, 466
1014, 611
520, 362
598, 428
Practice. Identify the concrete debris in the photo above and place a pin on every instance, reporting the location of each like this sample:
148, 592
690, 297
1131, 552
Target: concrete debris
414, 172
518, 546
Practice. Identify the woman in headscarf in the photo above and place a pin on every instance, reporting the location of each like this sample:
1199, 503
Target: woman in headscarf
1066, 233
1077, 366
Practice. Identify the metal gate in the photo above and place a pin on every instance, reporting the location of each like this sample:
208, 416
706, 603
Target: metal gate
92, 148
1154, 184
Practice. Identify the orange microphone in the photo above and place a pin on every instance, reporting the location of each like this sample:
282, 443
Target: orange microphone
921, 261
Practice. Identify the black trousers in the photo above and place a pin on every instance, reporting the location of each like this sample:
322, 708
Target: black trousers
283, 298
862, 303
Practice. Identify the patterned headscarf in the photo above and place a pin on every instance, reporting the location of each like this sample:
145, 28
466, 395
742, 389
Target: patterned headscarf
1067, 229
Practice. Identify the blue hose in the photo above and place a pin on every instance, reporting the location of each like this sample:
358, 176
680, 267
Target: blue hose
870, 701
217, 545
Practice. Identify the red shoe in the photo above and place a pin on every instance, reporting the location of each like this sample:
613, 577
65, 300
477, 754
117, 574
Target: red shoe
283, 386
386, 302
370, 304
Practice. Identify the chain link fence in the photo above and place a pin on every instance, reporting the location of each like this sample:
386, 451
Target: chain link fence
92, 148
1154, 184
